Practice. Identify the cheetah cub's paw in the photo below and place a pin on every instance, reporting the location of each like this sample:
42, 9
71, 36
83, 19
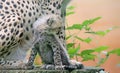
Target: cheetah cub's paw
52, 67
62, 67
48, 67
78, 65
74, 65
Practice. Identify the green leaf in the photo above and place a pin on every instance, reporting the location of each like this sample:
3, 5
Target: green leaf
79, 38
75, 26
69, 13
101, 33
83, 25
69, 45
70, 7
68, 37
90, 21
101, 48
87, 57
69, 10
73, 51
87, 28
87, 40
89, 51
86, 22
115, 51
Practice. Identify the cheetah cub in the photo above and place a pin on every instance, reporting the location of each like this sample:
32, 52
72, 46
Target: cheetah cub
50, 47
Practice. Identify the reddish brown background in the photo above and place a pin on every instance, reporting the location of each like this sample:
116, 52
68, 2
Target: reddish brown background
109, 10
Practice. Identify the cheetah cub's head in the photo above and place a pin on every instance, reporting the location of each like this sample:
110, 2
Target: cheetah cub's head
48, 22
46, 25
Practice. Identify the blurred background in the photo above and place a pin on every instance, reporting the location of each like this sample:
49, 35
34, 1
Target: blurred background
109, 10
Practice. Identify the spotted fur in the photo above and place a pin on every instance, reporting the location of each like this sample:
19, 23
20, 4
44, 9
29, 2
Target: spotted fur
28, 23
16, 30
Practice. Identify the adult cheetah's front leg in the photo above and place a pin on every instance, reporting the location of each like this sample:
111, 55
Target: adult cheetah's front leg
12, 53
